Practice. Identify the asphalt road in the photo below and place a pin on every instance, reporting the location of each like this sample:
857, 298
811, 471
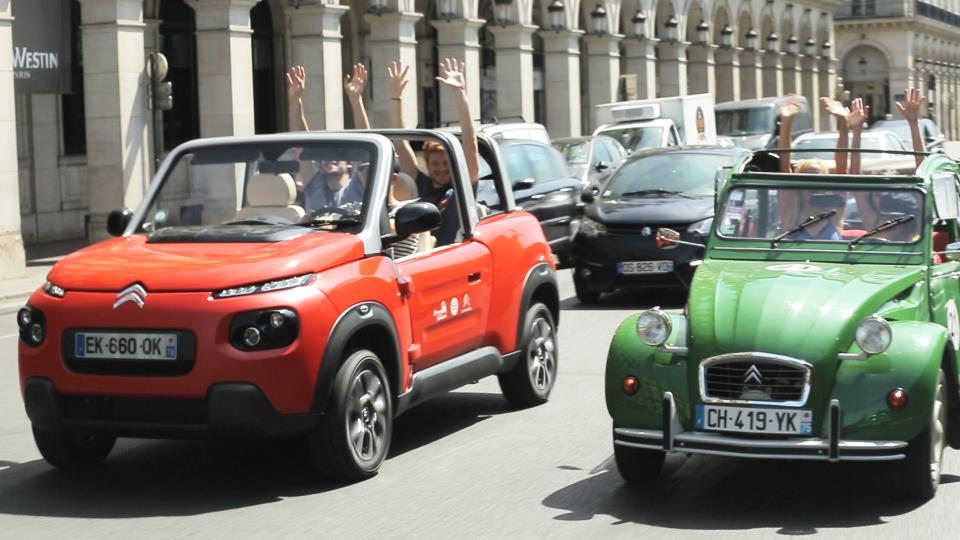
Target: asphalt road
463, 465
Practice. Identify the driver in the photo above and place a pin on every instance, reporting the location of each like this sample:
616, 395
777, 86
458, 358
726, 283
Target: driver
333, 186
816, 202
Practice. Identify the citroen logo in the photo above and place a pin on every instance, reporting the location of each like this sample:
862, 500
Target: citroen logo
134, 293
752, 375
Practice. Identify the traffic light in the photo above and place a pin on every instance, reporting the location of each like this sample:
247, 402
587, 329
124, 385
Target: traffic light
161, 92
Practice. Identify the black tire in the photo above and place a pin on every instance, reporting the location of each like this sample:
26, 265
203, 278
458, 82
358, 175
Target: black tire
531, 380
353, 439
638, 466
584, 294
920, 471
69, 451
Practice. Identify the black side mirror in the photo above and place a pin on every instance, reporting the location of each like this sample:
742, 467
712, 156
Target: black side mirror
600, 166
526, 183
416, 217
589, 195
118, 220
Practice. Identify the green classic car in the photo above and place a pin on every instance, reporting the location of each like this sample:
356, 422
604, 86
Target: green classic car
821, 325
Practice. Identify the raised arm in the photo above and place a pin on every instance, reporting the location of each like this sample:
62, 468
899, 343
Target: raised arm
787, 111
453, 77
296, 83
397, 78
838, 111
353, 87
910, 109
858, 114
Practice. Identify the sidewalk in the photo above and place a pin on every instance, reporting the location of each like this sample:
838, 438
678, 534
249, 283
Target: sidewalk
40, 258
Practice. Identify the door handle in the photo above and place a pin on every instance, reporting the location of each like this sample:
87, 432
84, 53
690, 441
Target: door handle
473, 277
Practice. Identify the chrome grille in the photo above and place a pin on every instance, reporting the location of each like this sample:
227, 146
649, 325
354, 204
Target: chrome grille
755, 378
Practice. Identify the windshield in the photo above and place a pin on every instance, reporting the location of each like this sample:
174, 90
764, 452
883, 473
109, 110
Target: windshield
577, 153
637, 138
688, 173
743, 122
830, 215
867, 143
320, 184
900, 127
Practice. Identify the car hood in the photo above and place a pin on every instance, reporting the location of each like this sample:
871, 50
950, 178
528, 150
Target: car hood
114, 264
802, 310
655, 210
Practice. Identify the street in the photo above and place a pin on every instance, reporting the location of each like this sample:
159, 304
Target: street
462, 465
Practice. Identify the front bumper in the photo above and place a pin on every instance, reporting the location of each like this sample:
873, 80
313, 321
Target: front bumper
600, 255
672, 438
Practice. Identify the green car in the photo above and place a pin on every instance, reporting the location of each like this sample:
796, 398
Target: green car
821, 325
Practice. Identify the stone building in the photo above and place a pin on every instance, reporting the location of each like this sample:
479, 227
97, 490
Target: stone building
79, 154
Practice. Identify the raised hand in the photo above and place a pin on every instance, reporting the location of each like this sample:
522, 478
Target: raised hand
858, 114
910, 108
296, 82
353, 85
835, 108
452, 74
790, 108
397, 78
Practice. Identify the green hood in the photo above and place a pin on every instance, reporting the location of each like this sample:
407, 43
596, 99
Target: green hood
803, 310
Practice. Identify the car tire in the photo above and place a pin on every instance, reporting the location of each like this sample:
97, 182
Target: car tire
69, 451
924, 461
638, 466
584, 294
531, 380
354, 436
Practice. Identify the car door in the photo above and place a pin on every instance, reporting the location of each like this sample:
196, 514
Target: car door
944, 280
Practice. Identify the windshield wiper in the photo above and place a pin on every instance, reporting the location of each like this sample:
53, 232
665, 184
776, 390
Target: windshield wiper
656, 191
888, 224
806, 223
326, 221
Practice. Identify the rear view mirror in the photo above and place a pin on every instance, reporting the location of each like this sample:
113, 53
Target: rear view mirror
667, 238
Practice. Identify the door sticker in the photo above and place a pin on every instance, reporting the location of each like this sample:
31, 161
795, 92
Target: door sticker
457, 307
441, 312
454, 306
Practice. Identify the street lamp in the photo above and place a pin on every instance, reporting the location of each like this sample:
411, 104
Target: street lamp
670, 28
703, 32
772, 39
378, 6
555, 10
792, 44
825, 49
726, 36
750, 39
810, 47
599, 17
639, 22
501, 11
448, 10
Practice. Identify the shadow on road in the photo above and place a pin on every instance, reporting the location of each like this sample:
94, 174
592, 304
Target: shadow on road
633, 300
701, 493
181, 478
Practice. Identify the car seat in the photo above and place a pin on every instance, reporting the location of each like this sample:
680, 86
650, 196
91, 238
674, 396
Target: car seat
272, 195
940, 241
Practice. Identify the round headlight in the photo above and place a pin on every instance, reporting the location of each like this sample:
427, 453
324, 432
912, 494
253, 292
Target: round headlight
24, 317
251, 337
873, 335
277, 319
653, 327
36, 333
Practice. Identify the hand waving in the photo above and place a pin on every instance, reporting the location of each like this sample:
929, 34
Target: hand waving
397, 78
910, 108
452, 74
835, 108
296, 82
354, 85
858, 114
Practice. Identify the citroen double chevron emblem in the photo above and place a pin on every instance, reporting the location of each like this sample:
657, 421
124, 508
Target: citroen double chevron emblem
134, 293
752, 375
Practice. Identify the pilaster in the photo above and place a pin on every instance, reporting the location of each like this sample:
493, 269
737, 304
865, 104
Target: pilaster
12, 262
640, 57
603, 71
459, 38
392, 37
514, 50
751, 79
826, 84
316, 44
772, 74
561, 55
701, 69
809, 74
673, 68
727, 74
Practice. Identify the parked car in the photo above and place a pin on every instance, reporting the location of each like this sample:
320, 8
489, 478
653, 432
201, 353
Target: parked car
615, 246
591, 159
885, 143
635, 136
800, 345
542, 185
933, 139
225, 309
754, 123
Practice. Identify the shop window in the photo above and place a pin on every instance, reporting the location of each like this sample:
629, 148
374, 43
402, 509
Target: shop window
179, 44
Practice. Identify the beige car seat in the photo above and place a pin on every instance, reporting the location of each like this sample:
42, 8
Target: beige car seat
272, 195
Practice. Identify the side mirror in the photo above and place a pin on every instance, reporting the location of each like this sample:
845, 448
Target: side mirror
600, 166
589, 195
526, 183
669, 238
416, 217
118, 220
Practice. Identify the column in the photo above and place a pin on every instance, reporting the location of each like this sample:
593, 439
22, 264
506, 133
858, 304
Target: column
640, 57
701, 69
392, 37
772, 73
899, 80
561, 58
514, 50
791, 74
751, 80
12, 262
827, 83
673, 68
316, 44
460, 39
727, 74
939, 106
920, 76
603, 71
114, 80
809, 87
955, 96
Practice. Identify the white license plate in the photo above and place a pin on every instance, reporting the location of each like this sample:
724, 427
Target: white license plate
125, 346
645, 267
750, 420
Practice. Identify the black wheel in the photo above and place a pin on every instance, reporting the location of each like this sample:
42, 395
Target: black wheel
638, 465
71, 451
921, 468
352, 441
531, 380
584, 294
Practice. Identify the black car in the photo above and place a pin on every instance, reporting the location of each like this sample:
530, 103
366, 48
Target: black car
543, 186
615, 246
591, 159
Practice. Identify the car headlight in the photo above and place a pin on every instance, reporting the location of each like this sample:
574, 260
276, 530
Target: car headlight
653, 327
275, 285
53, 290
702, 227
873, 335
590, 227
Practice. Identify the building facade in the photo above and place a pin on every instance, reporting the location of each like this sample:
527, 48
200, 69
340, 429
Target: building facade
80, 154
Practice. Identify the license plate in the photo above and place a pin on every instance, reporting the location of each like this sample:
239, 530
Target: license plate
750, 420
645, 267
125, 346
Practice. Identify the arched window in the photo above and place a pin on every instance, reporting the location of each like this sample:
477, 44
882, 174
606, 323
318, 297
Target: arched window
178, 43
74, 117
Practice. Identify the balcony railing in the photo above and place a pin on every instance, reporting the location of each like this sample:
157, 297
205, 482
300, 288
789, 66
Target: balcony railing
931, 11
872, 9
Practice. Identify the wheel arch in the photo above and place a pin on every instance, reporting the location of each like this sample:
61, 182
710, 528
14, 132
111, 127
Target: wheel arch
949, 366
540, 285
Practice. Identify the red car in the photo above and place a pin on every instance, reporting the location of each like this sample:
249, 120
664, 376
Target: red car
266, 288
